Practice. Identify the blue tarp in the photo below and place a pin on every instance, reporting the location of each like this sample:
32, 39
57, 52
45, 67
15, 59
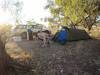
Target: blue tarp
62, 36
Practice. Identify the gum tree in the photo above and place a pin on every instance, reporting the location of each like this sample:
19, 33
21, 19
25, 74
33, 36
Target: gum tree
74, 12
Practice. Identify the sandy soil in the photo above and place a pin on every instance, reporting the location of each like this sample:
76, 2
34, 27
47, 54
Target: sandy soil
74, 58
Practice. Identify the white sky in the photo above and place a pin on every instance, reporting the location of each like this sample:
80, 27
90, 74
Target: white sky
32, 9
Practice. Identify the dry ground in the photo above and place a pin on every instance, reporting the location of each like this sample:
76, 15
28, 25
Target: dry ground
74, 58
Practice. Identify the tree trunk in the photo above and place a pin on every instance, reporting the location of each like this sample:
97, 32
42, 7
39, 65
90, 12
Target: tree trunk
4, 60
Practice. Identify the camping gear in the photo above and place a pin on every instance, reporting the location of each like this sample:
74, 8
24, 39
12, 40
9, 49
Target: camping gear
61, 36
77, 34
69, 34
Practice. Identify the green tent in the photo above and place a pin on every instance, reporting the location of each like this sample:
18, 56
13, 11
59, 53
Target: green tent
77, 34
74, 34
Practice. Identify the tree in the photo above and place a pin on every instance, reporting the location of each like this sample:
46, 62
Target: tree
34, 24
73, 12
14, 7
31, 22
17, 11
4, 57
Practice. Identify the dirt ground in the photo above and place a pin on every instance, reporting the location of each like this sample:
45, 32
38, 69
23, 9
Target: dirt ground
74, 58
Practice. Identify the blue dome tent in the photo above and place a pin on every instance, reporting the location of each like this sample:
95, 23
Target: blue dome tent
61, 36
69, 34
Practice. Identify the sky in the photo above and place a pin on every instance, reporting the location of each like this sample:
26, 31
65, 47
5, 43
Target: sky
32, 9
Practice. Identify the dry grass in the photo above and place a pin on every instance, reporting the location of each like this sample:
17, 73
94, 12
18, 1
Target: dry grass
16, 52
95, 32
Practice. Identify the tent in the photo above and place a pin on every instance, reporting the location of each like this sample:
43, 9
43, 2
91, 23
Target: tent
69, 34
77, 34
61, 36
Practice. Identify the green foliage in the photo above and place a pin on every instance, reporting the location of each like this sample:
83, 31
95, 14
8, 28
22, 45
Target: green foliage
74, 11
31, 22
34, 25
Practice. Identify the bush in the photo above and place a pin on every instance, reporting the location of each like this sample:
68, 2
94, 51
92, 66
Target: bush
95, 32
